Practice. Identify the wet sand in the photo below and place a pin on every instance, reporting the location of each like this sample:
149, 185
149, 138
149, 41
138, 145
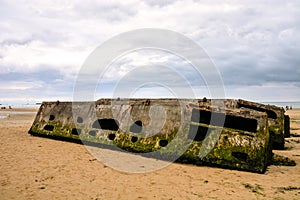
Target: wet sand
41, 168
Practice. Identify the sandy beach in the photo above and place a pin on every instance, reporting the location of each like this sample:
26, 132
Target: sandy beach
41, 168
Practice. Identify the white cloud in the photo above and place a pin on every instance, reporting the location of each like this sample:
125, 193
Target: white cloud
253, 43
20, 85
36, 54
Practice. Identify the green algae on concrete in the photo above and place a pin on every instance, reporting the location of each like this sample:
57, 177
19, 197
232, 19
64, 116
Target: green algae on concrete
231, 147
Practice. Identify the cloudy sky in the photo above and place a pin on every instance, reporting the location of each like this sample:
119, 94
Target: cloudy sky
253, 44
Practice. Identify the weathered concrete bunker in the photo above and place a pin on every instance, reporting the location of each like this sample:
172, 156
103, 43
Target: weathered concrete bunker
278, 123
228, 133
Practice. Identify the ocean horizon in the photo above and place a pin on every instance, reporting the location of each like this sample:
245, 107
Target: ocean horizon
293, 104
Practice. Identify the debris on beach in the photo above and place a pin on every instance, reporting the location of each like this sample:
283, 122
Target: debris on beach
229, 133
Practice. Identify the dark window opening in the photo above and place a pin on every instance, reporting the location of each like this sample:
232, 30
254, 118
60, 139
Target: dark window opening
287, 126
112, 136
52, 117
271, 114
240, 123
76, 131
198, 133
204, 117
92, 133
241, 156
147, 102
107, 124
163, 143
136, 127
79, 120
134, 139
234, 122
49, 127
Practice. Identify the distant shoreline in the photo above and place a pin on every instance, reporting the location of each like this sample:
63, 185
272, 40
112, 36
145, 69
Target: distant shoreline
294, 104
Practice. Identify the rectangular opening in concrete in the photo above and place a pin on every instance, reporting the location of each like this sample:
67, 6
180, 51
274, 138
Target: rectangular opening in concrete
76, 131
106, 124
234, 122
271, 114
198, 133
49, 127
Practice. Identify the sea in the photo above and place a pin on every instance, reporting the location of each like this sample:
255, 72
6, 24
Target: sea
293, 104
20, 105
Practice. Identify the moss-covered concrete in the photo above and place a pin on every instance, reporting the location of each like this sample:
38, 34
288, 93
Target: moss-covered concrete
225, 147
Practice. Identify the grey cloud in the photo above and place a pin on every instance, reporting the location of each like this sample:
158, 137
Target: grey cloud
160, 3
251, 51
15, 42
43, 83
47, 75
113, 11
297, 84
254, 43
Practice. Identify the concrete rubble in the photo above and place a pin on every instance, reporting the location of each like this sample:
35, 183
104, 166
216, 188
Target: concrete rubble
228, 133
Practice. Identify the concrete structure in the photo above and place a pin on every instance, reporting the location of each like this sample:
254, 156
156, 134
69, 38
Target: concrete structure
278, 123
182, 128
